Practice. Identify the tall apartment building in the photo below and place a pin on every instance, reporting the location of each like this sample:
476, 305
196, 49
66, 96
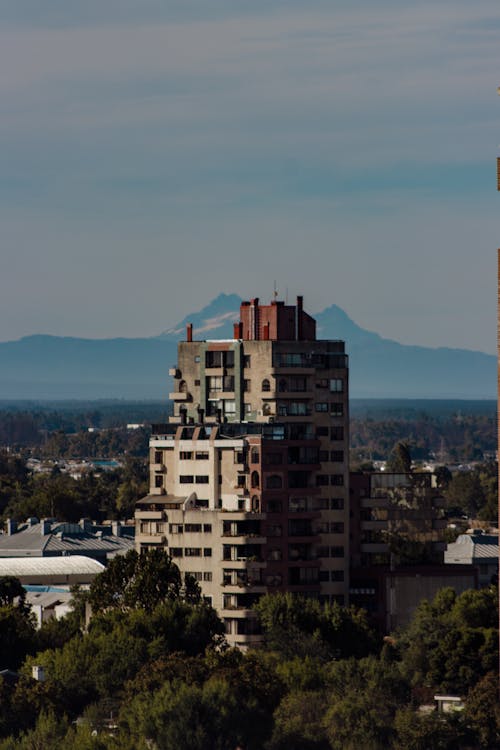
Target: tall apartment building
249, 480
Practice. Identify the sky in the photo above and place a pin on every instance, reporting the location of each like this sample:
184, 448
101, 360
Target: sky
156, 153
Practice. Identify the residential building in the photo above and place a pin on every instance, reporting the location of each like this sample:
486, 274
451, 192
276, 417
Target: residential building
51, 538
397, 530
478, 549
249, 480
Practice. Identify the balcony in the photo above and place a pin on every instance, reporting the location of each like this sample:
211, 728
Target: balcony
177, 396
151, 538
150, 515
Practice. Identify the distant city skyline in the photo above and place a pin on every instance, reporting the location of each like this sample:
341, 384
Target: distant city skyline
154, 155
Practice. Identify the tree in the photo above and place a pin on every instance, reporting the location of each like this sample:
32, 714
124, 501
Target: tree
399, 461
10, 589
136, 580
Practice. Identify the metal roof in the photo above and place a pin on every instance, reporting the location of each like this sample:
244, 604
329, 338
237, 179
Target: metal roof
64, 565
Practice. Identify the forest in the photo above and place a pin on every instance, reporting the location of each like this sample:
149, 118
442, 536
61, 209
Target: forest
152, 670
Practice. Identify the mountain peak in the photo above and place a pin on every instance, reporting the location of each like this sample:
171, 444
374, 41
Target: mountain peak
216, 318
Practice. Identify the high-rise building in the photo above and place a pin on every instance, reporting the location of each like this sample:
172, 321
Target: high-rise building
249, 480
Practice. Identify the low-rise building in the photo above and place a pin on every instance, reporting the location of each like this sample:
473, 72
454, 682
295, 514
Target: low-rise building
479, 550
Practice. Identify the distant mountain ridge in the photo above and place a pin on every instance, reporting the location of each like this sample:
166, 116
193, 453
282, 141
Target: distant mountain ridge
51, 367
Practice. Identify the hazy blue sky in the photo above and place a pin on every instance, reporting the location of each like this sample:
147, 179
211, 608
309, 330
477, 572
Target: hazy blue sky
154, 153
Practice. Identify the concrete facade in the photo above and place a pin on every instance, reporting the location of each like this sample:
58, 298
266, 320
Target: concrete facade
249, 482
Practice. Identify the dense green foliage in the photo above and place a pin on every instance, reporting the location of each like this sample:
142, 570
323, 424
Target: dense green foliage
157, 674
108, 494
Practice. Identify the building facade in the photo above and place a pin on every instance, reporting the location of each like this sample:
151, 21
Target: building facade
249, 480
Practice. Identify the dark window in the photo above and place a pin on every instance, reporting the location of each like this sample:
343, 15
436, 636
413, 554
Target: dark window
175, 551
337, 527
266, 386
337, 551
246, 360
323, 575
274, 506
337, 503
321, 406
192, 552
321, 431
337, 575
255, 479
158, 480
207, 528
337, 480
324, 456
337, 433
201, 455
337, 456
207, 552
246, 386
193, 527
185, 455
158, 457
274, 482
203, 479
337, 409
255, 457
321, 480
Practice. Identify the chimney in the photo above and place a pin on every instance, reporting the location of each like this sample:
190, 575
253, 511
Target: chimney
116, 528
254, 319
45, 526
266, 331
189, 332
237, 331
11, 526
300, 302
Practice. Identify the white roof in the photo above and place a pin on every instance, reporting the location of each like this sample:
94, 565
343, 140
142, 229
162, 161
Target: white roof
65, 565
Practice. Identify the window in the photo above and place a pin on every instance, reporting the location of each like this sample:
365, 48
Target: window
337, 575
274, 506
207, 552
202, 479
246, 360
321, 480
201, 455
337, 480
255, 479
193, 528
337, 456
337, 503
175, 528
275, 554
158, 457
248, 408
255, 457
321, 431
247, 386
196, 575
273, 458
186, 479
321, 406
274, 482
274, 530
185, 455
197, 382
207, 528
337, 433
324, 456
337, 527
207, 576
158, 480
229, 407
175, 551
145, 528
266, 386
323, 575
336, 409
241, 480
192, 552
336, 385
337, 551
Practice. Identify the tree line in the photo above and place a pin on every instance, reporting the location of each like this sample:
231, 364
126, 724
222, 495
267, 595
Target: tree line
152, 669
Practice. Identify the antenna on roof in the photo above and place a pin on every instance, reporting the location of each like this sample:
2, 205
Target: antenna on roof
275, 292
286, 296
